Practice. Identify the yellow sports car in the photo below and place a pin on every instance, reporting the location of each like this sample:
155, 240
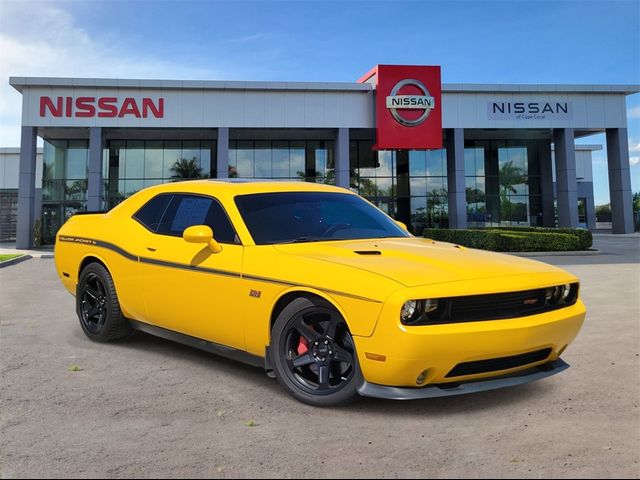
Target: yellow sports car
317, 286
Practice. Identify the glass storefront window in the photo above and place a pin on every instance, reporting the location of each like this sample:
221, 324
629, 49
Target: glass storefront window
502, 176
436, 163
64, 183
282, 159
134, 159
263, 160
297, 150
153, 159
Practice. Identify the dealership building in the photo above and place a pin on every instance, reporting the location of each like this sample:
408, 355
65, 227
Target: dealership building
429, 154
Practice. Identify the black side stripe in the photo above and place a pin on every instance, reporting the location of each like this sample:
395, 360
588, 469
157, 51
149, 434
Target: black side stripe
99, 243
336, 292
212, 271
184, 266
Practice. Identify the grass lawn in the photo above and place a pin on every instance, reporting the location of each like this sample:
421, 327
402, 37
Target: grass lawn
9, 256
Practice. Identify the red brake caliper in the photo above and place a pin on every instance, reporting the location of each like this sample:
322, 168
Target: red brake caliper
303, 346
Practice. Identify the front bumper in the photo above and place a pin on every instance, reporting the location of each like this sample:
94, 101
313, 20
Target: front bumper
396, 355
447, 390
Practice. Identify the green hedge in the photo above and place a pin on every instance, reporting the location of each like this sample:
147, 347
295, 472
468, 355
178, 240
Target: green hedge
584, 235
500, 240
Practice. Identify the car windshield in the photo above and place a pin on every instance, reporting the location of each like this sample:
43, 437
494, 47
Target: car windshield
290, 217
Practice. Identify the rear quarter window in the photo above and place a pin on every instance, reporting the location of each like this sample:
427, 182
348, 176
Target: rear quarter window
151, 213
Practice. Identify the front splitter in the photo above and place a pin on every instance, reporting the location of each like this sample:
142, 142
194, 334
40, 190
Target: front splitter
447, 390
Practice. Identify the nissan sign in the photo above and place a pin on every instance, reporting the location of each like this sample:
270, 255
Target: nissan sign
396, 103
103, 107
529, 110
408, 106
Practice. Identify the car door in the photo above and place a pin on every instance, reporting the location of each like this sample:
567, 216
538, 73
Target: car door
188, 288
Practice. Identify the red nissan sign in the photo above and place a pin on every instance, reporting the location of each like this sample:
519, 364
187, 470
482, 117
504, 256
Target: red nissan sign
408, 106
108, 107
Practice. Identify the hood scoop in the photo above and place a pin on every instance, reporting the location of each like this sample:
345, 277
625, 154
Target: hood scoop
368, 252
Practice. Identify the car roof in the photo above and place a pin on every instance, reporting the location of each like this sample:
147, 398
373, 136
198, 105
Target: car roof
244, 186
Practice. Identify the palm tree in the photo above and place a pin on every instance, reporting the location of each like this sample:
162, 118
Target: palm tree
509, 176
185, 169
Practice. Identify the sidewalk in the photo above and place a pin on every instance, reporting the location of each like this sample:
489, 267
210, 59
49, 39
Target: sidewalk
42, 252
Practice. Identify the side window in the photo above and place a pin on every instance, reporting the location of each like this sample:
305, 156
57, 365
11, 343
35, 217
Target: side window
187, 210
219, 222
151, 213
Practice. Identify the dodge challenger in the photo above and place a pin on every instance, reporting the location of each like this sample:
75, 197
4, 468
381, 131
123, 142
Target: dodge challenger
317, 286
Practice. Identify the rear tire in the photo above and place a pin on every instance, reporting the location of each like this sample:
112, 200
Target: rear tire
97, 306
313, 355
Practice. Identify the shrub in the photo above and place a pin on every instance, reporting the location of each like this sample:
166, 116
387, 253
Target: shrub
507, 240
584, 235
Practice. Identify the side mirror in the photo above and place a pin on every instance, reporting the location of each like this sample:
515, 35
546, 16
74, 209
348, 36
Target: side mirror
202, 234
401, 225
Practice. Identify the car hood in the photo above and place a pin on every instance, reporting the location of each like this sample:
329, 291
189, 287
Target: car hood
417, 261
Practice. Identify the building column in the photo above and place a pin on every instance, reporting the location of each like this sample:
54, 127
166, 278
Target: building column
342, 158
455, 178
546, 184
566, 183
26, 187
94, 179
590, 208
222, 154
619, 180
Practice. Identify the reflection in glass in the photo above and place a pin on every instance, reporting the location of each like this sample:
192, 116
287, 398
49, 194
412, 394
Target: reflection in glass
435, 163
280, 159
153, 158
417, 163
263, 160
134, 159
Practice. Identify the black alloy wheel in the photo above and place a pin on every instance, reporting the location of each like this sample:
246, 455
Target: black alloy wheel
93, 309
98, 307
313, 353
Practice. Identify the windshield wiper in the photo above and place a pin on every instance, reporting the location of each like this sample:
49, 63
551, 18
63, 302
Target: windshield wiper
299, 240
305, 239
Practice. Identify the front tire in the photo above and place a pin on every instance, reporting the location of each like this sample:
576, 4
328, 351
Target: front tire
313, 354
98, 307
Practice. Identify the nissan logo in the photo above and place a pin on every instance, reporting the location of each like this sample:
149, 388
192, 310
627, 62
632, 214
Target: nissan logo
423, 102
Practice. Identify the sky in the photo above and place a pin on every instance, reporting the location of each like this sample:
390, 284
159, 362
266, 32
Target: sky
508, 41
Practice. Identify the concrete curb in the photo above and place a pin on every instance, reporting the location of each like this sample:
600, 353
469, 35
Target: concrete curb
578, 253
13, 261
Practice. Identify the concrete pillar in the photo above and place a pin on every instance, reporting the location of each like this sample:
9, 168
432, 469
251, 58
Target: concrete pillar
403, 189
342, 158
26, 187
94, 178
546, 184
590, 208
566, 183
222, 154
619, 180
455, 178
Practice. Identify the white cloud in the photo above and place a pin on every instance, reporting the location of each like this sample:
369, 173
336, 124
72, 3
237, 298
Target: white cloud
634, 147
634, 161
633, 112
48, 43
245, 39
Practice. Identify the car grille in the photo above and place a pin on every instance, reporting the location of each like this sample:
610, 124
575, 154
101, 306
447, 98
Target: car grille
496, 364
494, 306
497, 306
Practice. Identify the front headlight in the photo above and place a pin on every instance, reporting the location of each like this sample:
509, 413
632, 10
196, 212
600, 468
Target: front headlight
562, 294
410, 311
414, 311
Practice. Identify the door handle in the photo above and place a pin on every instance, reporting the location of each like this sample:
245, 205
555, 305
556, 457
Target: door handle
151, 249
